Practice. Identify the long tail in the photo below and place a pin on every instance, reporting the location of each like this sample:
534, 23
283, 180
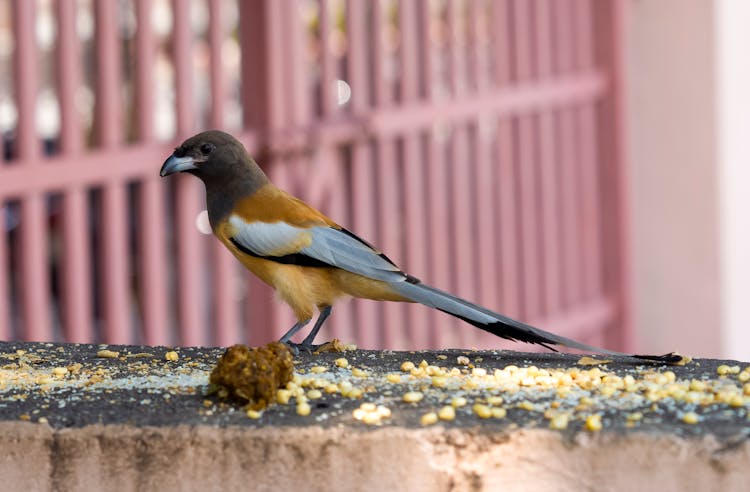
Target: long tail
500, 325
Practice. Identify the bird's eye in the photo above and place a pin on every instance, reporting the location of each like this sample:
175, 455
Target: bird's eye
206, 148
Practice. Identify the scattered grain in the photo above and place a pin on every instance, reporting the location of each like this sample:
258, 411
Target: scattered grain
429, 418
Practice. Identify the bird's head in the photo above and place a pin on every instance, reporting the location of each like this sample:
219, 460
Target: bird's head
212, 156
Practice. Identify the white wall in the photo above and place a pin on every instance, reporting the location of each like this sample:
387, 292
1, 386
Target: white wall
690, 154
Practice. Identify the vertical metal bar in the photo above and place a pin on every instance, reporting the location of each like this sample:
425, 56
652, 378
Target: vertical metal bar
270, 38
150, 235
108, 109
381, 90
485, 189
485, 185
591, 225
33, 234
548, 168
415, 219
216, 36
153, 262
327, 68
522, 54
26, 80
501, 45
610, 43
108, 115
389, 209
364, 222
75, 268
259, 76
528, 213
253, 44
69, 77
527, 179
542, 18
363, 193
569, 194
114, 244
454, 57
144, 77
34, 269
461, 234
569, 198
480, 163
409, 52
414, 173
183, 61
583, 56
476, 55
512, 283
550, 205
297, 82
486, 273
562, 13
341, 325
445, 330
226, 316
508, 231
189, 195
588, 172
386, 175
462, 216
459, 71
225, 309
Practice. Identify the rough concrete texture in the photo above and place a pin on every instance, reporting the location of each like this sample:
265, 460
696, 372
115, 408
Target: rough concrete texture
139, 421
204, 458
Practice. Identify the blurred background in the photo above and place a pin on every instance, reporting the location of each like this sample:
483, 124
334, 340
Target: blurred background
574, 163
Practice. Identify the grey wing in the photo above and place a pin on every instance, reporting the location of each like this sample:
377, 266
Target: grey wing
327, 246
348, 252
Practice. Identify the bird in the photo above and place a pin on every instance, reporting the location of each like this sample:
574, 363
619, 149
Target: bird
310, 260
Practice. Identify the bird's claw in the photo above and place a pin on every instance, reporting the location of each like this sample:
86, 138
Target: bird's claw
308, 347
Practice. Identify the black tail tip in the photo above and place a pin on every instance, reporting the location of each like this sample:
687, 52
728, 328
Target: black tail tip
672, 359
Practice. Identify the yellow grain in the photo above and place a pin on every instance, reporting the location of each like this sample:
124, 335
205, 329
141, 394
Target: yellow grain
447, 413
413, 397
482, 411
594, 423
690, 418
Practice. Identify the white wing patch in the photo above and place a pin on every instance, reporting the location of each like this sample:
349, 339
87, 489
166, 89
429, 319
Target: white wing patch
269, 238
326, 244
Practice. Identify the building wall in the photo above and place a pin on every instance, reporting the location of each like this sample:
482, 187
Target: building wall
688, 170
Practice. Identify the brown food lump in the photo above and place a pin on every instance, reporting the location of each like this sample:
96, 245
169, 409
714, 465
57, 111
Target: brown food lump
254, 374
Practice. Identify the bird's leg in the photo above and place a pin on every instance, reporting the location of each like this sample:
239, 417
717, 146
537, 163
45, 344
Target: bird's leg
294, 329
324, 314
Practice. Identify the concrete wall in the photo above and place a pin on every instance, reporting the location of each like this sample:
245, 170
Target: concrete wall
689, 126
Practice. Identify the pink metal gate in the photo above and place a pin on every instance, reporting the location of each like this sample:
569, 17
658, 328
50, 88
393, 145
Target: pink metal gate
479, 143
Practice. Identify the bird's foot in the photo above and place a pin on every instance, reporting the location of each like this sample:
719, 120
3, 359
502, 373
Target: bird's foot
307, 347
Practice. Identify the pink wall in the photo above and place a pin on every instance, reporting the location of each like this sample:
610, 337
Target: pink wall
689, 118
